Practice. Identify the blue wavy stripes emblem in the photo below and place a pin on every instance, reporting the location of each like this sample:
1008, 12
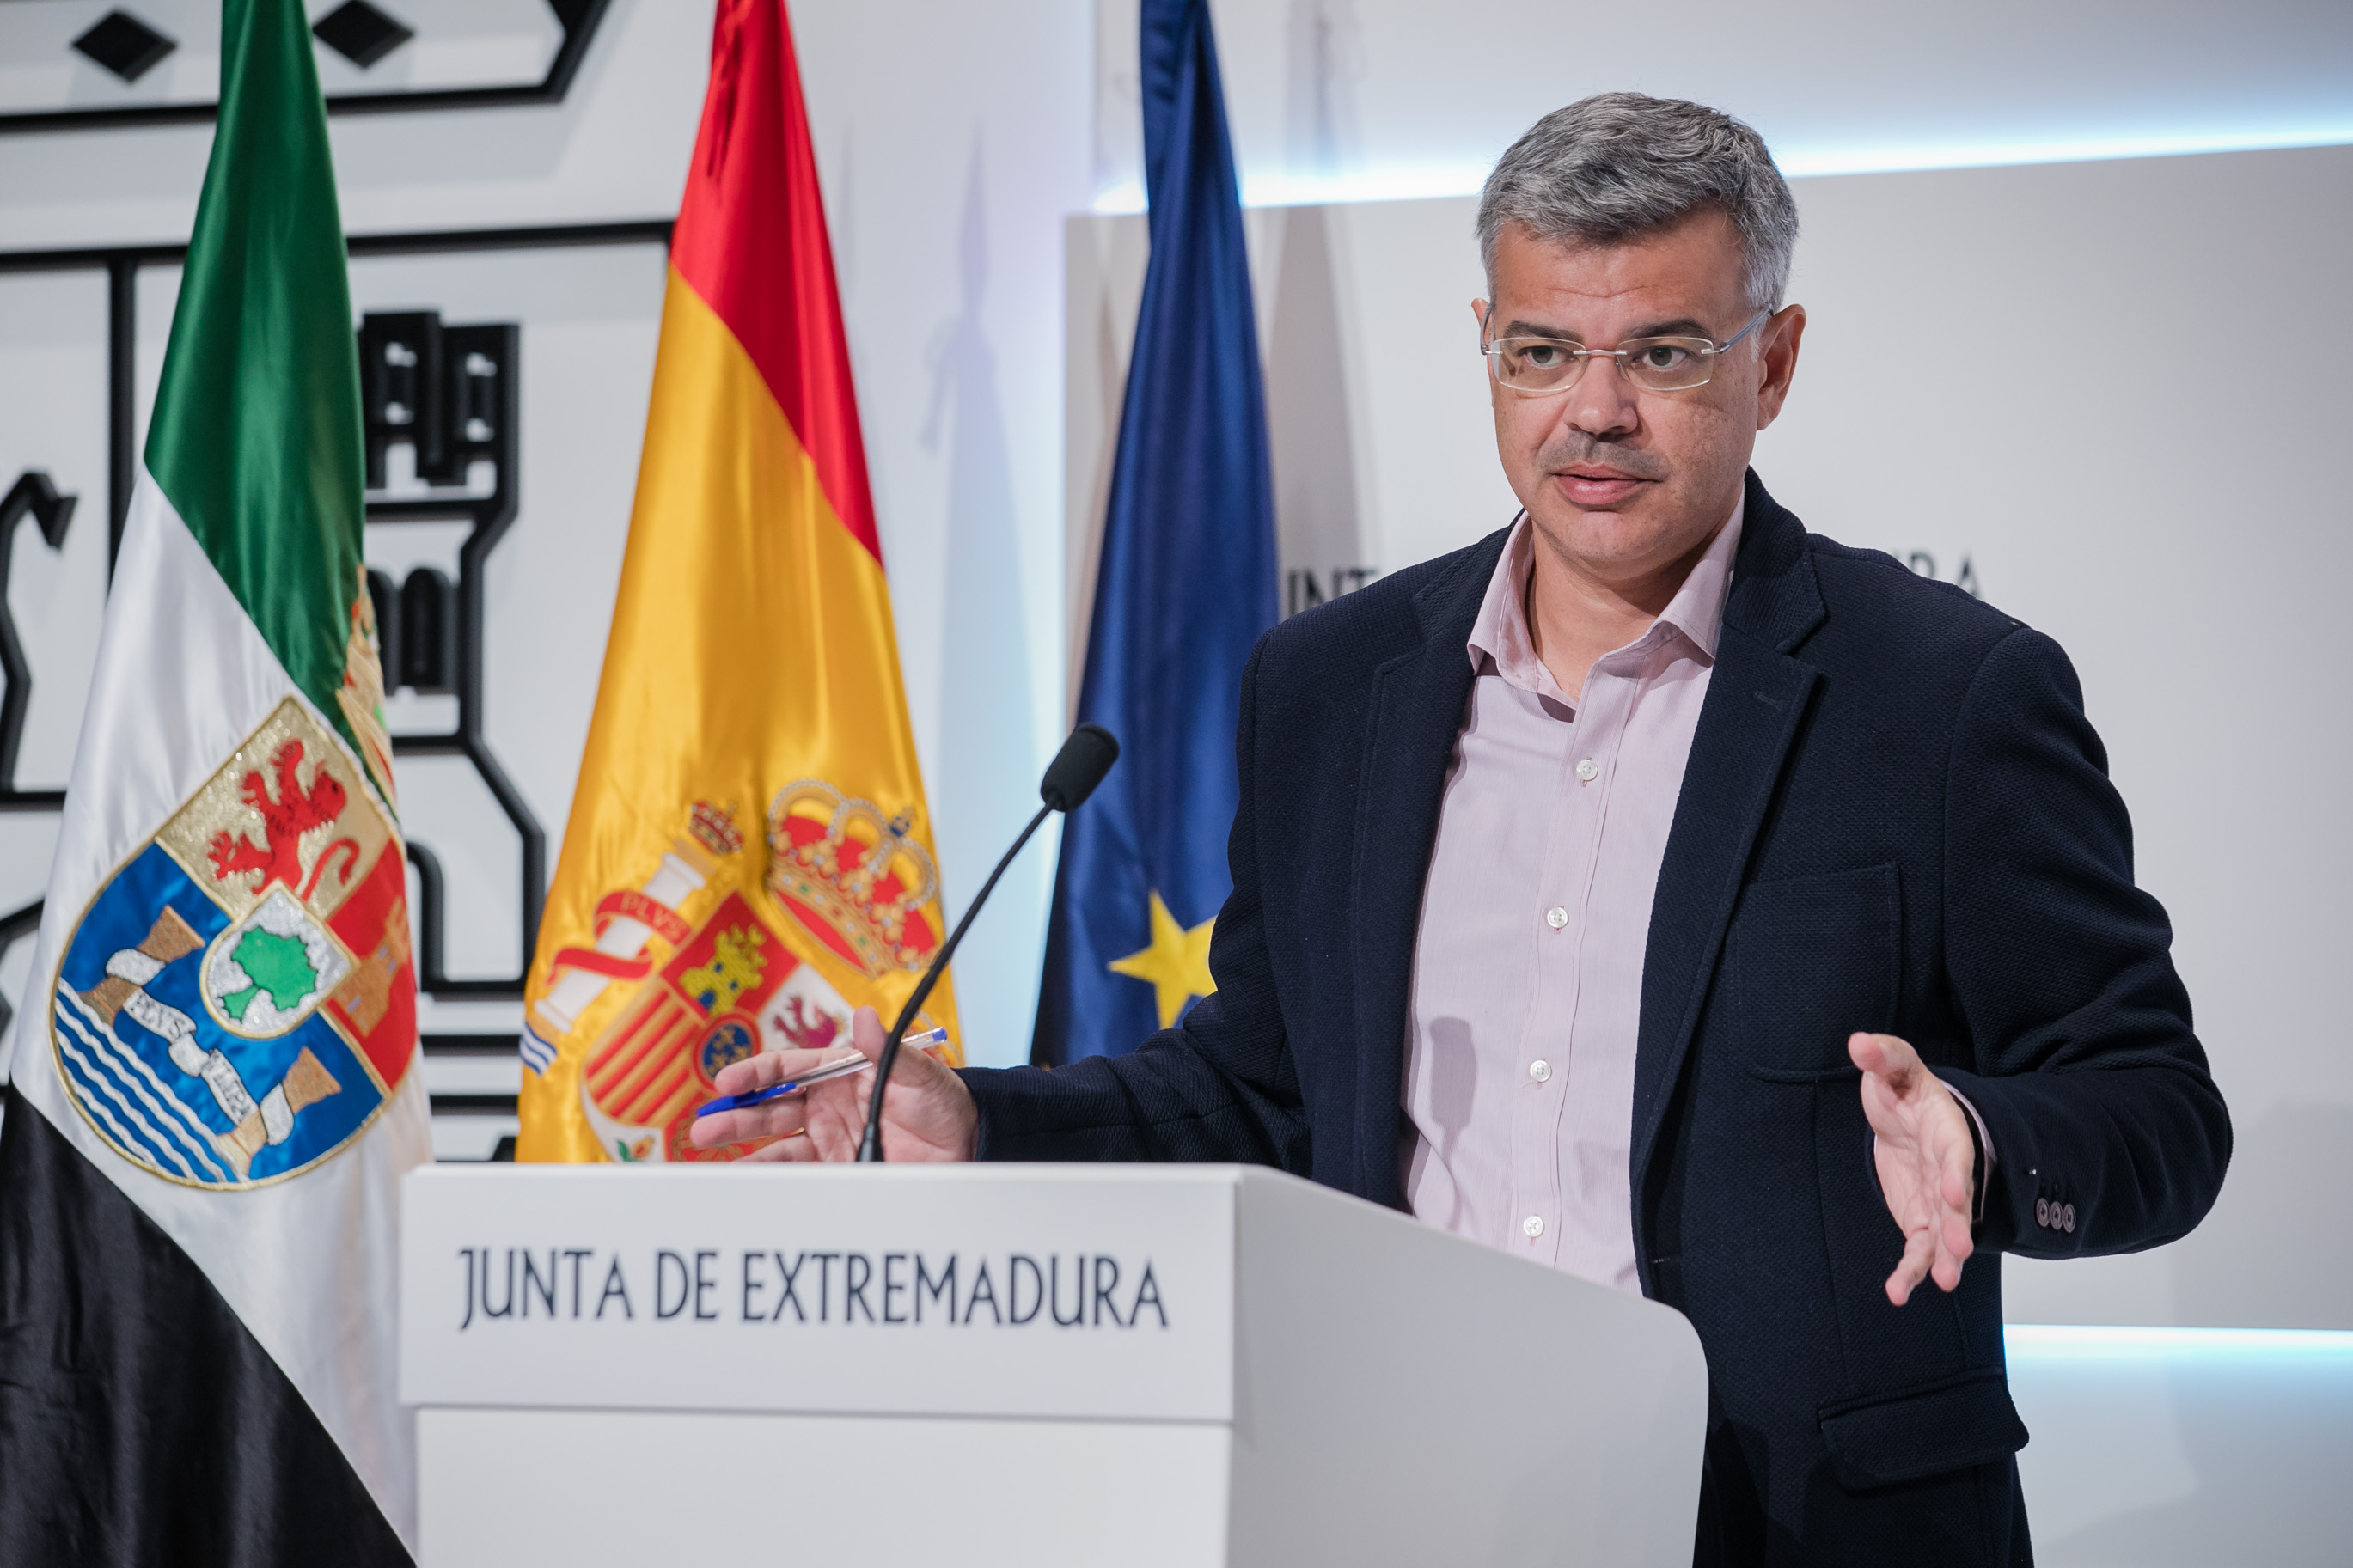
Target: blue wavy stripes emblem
122, 1092
537, 1054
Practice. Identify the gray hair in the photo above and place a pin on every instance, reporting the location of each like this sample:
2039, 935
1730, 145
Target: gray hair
1620, 165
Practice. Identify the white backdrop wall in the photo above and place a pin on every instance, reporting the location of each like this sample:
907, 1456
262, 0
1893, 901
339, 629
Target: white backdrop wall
1341, 100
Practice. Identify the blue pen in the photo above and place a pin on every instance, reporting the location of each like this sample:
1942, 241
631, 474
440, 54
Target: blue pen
842, 1068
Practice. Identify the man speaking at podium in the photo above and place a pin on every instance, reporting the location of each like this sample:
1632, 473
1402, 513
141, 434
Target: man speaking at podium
1662, 893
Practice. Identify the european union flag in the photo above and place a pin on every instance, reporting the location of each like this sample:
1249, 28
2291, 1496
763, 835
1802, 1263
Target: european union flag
1186, 585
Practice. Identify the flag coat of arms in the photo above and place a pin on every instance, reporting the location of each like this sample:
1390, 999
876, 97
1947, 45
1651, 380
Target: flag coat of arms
749, 855
214, 1095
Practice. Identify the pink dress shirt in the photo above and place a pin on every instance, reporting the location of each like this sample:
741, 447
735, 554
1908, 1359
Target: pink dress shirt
1527, 983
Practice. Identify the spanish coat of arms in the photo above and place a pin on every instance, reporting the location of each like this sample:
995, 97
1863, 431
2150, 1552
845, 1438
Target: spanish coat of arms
843, 875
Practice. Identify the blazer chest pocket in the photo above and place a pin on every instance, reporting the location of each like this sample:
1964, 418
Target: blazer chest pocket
1810, 961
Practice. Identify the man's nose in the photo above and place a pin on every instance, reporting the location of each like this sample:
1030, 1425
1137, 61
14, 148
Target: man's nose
1602, 403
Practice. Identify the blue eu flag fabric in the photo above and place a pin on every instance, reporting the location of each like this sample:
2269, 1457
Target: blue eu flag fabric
1186, 586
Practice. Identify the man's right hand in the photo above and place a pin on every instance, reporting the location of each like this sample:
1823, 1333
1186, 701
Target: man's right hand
927, 1113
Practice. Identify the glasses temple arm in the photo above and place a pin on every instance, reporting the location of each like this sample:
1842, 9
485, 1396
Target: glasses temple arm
1754, 322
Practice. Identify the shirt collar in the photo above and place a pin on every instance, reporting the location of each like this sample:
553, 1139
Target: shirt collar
1500, 632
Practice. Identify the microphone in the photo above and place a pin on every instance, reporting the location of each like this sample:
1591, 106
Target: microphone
1069, 778
1077, 768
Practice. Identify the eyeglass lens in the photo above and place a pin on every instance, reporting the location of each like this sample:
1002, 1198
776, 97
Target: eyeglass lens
1654, 365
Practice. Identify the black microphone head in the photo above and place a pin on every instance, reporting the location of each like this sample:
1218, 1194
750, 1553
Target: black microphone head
1078, 767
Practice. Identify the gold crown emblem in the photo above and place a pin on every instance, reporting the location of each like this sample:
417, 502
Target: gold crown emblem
715, 827
852, 876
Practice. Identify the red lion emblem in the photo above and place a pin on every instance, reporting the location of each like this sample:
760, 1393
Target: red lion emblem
284, 820
809, 1028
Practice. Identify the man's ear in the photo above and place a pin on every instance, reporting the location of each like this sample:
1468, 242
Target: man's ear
1779, 340
1479, 313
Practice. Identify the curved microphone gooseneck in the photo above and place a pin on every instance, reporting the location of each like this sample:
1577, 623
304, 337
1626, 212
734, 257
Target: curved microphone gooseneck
1069, 778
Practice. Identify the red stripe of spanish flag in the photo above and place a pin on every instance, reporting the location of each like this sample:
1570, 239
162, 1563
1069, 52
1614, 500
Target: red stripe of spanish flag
752, 645
751, 241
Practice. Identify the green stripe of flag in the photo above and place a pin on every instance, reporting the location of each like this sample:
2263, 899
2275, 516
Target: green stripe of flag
256, 437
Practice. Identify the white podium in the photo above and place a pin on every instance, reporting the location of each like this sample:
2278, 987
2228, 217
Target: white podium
1022, 1365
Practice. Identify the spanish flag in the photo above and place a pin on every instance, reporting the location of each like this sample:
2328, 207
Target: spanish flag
749, 856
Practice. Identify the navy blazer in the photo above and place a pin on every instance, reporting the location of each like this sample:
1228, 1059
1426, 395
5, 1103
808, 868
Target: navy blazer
1895, 817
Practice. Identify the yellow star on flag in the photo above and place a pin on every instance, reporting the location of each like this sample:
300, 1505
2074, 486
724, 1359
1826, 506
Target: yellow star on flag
1177, 964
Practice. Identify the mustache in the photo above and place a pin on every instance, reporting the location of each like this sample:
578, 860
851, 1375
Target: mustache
1580, 448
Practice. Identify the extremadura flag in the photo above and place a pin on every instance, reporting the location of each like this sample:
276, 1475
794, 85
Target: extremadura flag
749, 857
213, 1099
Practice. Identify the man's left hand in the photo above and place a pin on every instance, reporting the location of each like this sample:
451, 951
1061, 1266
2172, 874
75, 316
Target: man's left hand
1927, 1162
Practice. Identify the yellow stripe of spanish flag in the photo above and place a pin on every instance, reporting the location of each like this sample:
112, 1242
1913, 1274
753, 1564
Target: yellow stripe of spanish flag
756, 622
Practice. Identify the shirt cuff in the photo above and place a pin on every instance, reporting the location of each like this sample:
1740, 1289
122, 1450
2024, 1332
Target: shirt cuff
1981, 1172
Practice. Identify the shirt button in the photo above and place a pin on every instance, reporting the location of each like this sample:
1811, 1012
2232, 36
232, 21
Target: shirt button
1540, 1071
1533, 1225
1556, 917
1587, 769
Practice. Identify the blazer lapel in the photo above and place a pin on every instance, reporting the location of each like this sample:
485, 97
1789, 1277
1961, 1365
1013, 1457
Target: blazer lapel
1419, 698
1756, 697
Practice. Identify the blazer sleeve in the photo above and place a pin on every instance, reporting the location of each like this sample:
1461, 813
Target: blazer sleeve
2107, 1131
1220, 1085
